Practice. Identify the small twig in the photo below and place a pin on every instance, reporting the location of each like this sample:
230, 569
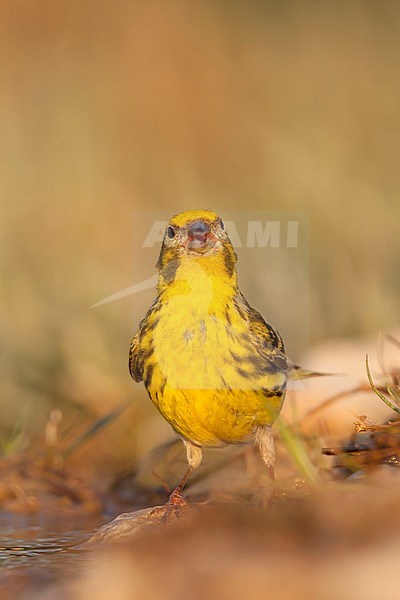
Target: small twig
96, 427
332, 399
394, 341
162, 481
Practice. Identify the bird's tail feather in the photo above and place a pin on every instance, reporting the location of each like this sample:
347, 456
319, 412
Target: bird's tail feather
296, 372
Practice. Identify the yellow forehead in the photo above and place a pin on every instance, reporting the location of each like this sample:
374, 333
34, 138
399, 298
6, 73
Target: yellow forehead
187, 216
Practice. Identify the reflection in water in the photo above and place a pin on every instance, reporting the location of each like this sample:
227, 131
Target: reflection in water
40, 553
21, 552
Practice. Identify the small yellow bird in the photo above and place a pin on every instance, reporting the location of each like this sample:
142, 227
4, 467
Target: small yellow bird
212, 366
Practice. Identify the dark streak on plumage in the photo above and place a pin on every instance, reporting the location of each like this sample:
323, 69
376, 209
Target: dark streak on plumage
149, 375
230, 333
243, 372
240, 306
272, 368
276, 388
258, 362
144, 355
272, 393
273, 336
246, 339
153, 323
167, 255
226, 386
169, 270
280, 362
237, 359
230, 258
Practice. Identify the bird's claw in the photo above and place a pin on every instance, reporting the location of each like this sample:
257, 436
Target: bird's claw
175, 505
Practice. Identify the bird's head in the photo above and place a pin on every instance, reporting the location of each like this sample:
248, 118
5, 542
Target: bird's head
194, 235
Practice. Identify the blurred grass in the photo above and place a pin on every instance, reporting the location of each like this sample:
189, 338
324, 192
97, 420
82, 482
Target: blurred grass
392, 391
108, 108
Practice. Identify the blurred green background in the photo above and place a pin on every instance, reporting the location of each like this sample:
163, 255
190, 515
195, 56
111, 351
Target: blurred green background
108, 108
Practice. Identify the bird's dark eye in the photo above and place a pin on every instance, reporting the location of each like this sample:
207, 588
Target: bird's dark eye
221, 224
171, 233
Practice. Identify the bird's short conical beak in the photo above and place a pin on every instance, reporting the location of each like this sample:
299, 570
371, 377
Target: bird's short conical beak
198, 235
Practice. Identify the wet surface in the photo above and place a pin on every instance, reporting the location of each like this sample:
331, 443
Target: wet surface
39, 553
47, 550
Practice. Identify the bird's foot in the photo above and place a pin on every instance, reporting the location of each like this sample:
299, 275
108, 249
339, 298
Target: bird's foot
176, 503
173, 508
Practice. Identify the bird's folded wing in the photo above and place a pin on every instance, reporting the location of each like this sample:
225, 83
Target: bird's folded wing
135, 362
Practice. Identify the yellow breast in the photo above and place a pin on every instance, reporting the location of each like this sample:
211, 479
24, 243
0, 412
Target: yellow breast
202, 380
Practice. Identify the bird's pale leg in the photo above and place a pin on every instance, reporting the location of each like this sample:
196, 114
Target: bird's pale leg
176, 500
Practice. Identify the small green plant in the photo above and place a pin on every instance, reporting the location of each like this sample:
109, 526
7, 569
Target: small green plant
297, 449
392, 388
